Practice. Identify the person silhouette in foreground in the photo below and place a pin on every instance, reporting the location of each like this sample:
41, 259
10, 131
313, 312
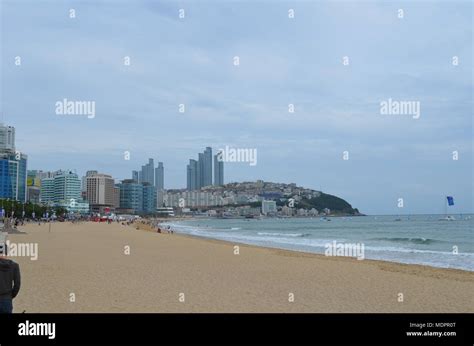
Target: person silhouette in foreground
10, 281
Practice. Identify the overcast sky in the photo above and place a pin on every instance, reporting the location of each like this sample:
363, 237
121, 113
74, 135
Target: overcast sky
299, 61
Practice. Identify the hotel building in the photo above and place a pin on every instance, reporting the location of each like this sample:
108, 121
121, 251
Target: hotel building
136, 198
63, 189
100, 192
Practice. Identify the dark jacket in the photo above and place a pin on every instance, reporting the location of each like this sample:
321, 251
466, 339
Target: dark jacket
10, 279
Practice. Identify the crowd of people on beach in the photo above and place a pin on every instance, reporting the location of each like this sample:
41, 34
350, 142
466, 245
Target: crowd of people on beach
156, 225
168, 230
12, 223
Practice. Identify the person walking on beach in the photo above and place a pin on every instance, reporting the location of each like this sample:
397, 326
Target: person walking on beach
10, 281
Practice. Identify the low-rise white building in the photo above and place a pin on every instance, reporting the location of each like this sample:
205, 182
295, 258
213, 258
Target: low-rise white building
269, 207
192, 199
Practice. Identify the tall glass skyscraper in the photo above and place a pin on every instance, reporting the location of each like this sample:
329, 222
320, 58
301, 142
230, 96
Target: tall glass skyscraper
7, 189
192, 178
207, 167
159, 176
13, 167
13, 176
148, 173
152, 180
199, 173
22, 176
218, 170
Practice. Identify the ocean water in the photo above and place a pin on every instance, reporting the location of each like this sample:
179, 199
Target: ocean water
419, 239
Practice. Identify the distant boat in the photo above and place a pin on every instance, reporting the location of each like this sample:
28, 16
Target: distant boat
450, 203
398, 219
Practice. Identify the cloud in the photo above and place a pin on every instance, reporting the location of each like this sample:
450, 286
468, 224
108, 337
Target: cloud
283, 61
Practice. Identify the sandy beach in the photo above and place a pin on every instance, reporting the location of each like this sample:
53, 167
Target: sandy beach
91, 261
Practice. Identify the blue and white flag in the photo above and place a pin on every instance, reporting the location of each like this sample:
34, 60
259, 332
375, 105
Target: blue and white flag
450, 200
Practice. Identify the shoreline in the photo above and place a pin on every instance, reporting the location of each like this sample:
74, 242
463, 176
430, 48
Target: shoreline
307, 252
322, 256
88, 260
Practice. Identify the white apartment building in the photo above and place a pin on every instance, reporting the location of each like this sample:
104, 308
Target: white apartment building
269, 207
192, 199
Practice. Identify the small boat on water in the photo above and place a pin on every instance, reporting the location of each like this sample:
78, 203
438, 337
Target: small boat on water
448, 203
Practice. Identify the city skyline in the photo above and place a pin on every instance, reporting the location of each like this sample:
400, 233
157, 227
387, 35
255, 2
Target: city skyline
208, 170
336, 105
